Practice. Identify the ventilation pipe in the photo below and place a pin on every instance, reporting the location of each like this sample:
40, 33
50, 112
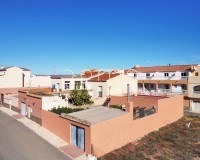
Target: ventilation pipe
128, 92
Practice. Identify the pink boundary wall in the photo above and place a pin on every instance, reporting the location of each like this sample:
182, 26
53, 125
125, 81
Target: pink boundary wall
111, 134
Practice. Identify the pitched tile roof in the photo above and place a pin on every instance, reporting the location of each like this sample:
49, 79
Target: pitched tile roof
91, 73
163, 68
104, 77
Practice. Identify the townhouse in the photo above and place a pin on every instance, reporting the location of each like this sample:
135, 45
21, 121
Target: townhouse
194, 90
73, 82
172, 79
100, 129
110, 84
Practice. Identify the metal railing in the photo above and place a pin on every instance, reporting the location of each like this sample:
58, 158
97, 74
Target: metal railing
196, 92
161, 77
162, 91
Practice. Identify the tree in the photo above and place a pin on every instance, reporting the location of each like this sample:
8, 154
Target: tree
80, 97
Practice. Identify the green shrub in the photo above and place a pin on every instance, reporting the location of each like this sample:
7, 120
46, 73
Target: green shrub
116, 106
60, 110
80, 97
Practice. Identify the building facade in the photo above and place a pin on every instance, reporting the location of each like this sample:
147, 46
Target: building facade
12, 77
169, 80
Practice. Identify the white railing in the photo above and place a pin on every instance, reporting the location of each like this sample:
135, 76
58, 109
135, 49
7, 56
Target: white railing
196, 92
161, 78
164, 90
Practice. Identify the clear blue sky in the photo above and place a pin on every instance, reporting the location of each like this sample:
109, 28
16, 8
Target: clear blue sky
79, 34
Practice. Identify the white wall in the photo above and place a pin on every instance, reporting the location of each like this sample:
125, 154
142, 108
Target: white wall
27, 75
62, 82
118, 85
11, 99
160, 75
12, 78
115, 86
53, 101
40, 81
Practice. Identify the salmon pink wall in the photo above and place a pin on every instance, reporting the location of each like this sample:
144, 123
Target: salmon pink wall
119, 131
34, 102
62, 128
137, 101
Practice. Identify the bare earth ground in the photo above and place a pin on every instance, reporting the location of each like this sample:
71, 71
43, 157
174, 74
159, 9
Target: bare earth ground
173, 142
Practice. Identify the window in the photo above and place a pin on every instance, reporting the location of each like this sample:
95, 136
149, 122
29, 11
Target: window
196, 74
183, 86
135, 75
100, 90
83, 85
166, 74
67, 85
147, 74
196, 88
77, 85
78, 136
167, 86
152, 86
183, 74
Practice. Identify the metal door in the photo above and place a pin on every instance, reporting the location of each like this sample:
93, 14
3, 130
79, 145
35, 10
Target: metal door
23, 109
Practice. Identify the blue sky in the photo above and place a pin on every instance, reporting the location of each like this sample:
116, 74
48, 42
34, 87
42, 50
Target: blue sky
81, 34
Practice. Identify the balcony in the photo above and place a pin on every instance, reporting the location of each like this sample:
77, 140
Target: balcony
161, 78
162, 91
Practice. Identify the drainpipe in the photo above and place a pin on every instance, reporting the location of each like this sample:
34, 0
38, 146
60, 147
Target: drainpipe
128, 92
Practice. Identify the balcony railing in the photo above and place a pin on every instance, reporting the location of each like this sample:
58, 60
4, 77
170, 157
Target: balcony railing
161, 78
196, 92
161, 91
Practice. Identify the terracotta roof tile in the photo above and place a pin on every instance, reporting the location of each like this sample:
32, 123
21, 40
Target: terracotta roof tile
91, 73
104, 77
163, 68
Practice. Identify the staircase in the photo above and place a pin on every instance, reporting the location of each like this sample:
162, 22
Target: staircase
107, 102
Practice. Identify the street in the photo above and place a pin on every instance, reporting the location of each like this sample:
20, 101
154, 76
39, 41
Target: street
19, 143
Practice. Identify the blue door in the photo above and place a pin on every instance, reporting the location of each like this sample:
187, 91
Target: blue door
23, 109
78, 136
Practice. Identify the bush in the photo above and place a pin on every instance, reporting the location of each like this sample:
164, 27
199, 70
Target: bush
80, 97
116, 106
60, 110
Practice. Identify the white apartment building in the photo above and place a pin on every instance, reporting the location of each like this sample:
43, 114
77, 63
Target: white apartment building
169, 80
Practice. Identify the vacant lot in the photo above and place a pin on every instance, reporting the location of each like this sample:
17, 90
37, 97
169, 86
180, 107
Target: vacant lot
175, 141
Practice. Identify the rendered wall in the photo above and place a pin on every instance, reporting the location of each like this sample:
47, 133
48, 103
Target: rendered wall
62, 128
137, 101
119, 131
40, 81
12, 78
53, 101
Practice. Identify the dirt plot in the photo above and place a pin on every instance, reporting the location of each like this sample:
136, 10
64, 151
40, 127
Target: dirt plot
175, 141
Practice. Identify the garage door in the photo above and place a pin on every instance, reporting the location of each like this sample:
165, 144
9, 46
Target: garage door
196, 106
23, 109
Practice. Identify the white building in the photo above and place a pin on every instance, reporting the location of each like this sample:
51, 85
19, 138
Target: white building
111, 84
12, 77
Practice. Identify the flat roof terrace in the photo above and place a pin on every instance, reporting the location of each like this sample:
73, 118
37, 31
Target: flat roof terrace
94, 115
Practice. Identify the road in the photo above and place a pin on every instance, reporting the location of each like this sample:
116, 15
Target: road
19, 143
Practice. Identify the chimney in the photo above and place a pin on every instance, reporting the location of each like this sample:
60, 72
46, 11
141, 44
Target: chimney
128, 92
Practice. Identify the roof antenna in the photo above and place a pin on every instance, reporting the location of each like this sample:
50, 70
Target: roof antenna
148, 63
